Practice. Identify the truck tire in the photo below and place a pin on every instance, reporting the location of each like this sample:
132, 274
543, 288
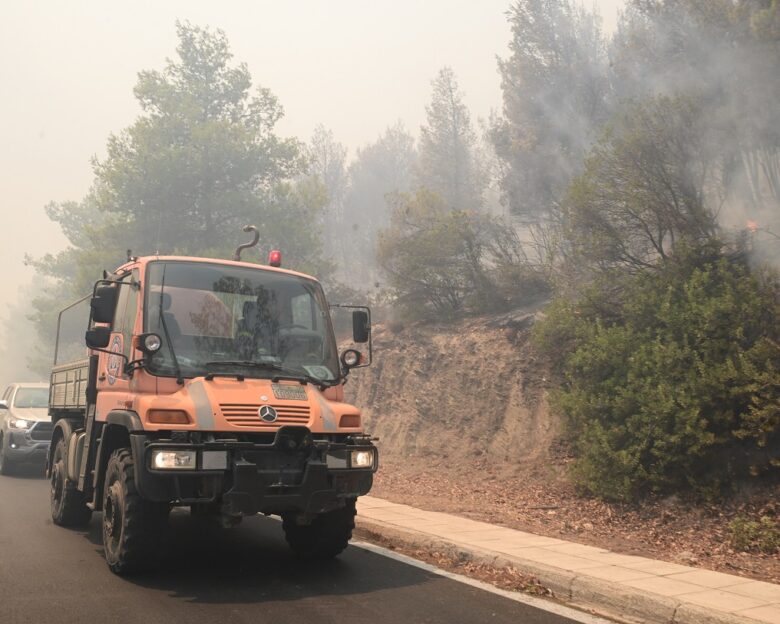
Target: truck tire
327, 535
6, 465
133, 528
68, 506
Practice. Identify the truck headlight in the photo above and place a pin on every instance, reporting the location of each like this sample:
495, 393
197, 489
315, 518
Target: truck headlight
362, 459
174, 460
20, 423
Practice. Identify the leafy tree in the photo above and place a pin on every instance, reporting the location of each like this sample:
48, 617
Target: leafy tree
289, 206
678, 387
643, 189
443, 263
664, 338
196, 165
448, 158
725, 54
379, 171
201, 161
556, 96
328, 163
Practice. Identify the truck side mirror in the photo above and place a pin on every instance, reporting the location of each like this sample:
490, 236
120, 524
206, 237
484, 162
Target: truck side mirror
3, 404
103, 303
98, 337
361, 329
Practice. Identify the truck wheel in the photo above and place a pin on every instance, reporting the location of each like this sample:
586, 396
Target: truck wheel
133, 528
325, 537
6, 465
68, 507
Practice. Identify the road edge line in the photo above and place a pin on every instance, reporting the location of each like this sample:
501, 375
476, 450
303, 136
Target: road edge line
526, 599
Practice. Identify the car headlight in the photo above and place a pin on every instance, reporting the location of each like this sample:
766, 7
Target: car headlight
174, 460
20, 423
362, 459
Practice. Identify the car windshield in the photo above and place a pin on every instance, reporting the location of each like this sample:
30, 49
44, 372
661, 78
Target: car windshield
236, 320
32, 397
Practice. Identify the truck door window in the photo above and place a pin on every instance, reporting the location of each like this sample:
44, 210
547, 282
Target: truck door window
126, 311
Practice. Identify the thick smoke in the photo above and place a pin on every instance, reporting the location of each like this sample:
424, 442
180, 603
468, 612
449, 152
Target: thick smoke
721, 57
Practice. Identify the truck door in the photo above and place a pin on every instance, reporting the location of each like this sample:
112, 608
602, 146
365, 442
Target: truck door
113, 383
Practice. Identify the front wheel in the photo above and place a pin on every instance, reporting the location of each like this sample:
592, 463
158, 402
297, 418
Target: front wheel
133, 527
6, 465
326, 536
68, 506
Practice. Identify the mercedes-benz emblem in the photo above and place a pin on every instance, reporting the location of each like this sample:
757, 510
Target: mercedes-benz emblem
267, 413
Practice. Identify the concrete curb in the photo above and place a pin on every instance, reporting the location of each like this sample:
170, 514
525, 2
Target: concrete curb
573, 588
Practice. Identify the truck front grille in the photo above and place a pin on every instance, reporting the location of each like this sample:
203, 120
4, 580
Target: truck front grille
246, 415
41, 431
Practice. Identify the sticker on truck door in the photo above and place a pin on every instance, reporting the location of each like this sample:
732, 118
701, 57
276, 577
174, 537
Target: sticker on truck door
114, 362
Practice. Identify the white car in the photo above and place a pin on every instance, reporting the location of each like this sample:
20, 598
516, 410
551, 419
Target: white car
25, 425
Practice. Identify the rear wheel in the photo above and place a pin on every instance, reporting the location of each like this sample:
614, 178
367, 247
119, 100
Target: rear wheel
326, 536
68, 506
133, 528
6, 465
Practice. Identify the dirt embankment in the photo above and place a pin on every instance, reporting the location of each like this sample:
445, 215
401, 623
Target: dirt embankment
464, 427
461, 393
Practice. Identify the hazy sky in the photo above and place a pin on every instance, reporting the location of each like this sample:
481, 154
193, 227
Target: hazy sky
68, 68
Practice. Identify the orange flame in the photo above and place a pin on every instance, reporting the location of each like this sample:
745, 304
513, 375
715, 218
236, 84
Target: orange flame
751, 225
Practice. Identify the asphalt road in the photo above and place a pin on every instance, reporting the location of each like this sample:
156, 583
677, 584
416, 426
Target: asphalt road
247, 574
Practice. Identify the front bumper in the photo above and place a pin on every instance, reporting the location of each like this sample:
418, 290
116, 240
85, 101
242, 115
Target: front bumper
27, 446
292, 473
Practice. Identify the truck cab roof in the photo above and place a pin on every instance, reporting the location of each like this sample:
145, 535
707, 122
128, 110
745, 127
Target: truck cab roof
144, 260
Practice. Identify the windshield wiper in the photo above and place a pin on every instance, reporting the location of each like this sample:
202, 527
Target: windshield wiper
247, 363
291, 374
288, 374
238, 376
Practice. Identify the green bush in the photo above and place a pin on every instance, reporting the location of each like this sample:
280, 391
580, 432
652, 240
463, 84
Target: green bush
755, 536
670, 380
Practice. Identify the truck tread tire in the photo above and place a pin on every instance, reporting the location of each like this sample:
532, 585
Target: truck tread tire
326, 537
133, 528
68, 505
6, 465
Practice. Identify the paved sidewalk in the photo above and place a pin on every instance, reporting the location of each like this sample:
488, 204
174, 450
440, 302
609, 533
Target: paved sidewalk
622, 585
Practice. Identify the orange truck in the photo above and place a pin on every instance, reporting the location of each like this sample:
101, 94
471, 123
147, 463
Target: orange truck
210, 384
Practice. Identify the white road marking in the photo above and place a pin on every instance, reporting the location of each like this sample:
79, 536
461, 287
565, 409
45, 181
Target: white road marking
527, 599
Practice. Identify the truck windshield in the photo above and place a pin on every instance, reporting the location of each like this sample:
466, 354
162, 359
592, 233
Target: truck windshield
225, 319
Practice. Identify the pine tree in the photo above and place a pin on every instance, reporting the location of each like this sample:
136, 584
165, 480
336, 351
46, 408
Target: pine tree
448, 163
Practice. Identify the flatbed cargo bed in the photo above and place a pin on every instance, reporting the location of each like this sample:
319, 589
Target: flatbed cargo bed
68, 386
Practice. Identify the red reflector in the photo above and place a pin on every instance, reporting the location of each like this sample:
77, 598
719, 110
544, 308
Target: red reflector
275, 258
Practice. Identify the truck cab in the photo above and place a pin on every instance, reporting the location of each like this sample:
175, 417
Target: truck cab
211, 384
